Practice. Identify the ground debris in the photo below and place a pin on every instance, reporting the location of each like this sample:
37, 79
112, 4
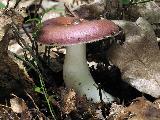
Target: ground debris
139, 109
6, 113
12, 78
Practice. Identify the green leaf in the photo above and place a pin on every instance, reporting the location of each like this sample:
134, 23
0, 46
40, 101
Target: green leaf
2, 5
38, 89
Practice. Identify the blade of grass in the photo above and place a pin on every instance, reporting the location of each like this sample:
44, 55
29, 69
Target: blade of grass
41, 82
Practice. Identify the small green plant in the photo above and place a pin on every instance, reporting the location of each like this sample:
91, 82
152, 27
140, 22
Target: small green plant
41, 89
34, 63
38, 89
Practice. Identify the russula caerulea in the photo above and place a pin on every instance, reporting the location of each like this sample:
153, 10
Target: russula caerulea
74, 33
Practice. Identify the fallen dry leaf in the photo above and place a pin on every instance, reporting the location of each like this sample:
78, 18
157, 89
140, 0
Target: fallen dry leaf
138, 58
148, 10
6, 113
139, 109
18, 105
69, 101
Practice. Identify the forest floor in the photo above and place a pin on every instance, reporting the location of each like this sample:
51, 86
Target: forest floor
31, 74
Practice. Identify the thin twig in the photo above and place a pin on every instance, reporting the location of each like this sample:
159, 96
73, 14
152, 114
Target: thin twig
38, 7
133, 3
34, 46
7, 4
32, 100
5, 42
71, 12
17, 2
28, 35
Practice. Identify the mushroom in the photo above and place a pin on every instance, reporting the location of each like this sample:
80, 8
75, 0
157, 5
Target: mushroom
74, 33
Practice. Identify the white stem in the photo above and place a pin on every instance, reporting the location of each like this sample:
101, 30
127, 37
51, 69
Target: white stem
76, 74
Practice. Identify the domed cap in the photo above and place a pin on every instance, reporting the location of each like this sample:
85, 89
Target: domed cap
70, 30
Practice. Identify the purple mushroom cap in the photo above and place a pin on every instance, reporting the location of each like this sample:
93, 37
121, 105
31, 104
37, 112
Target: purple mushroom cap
70, 30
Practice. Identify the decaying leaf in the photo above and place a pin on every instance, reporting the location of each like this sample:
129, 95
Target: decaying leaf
18, 105
6, 113
8, 16
148, 10
138, 58
12, 78
139, 109
90, 11
69, 101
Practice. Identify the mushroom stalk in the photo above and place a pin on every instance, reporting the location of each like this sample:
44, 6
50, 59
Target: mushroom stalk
77, 76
